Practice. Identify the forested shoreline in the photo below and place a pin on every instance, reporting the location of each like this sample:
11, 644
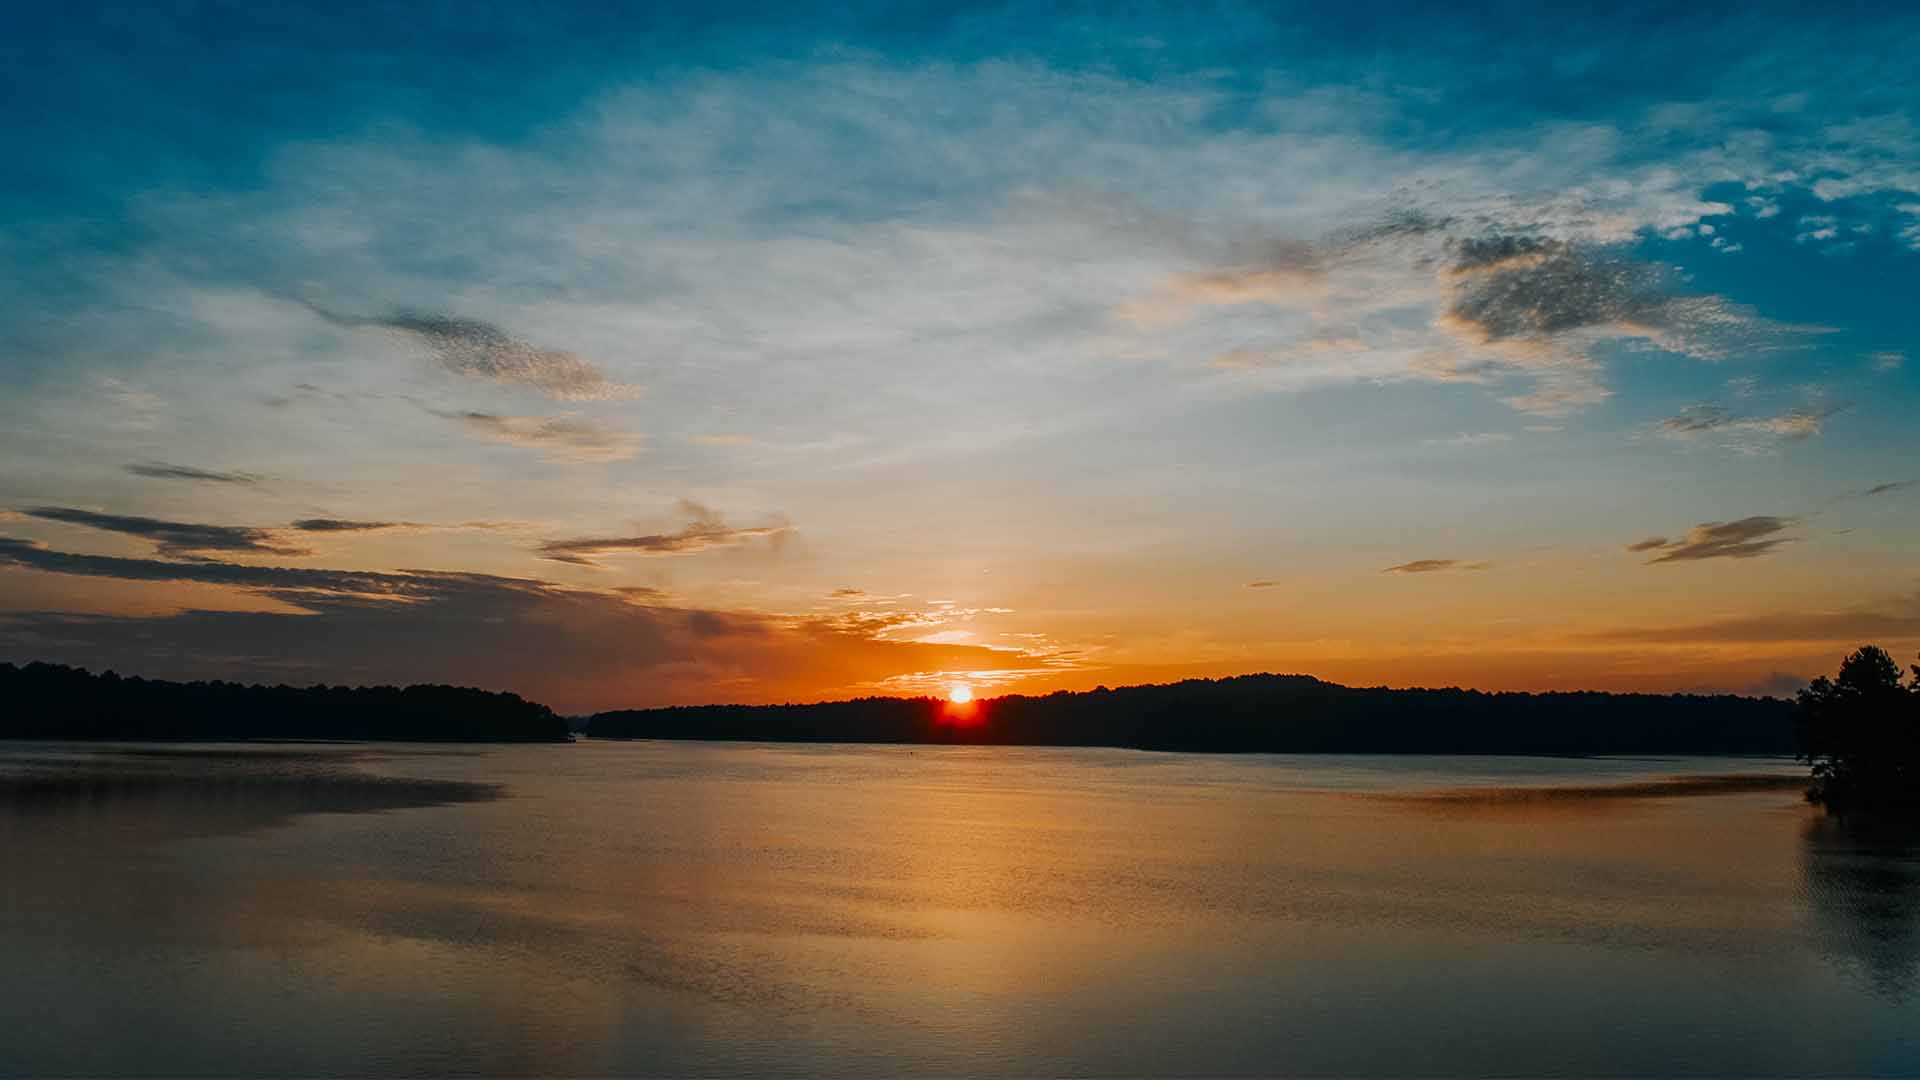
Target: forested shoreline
52, 701
1257, 714
1248, 713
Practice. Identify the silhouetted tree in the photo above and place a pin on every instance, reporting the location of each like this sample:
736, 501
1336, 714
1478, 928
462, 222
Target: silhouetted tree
1861, 733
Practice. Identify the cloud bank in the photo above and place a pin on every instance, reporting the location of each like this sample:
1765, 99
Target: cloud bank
572, 648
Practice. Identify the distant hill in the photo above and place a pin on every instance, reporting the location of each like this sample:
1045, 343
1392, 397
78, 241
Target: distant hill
51, 701
1257, 714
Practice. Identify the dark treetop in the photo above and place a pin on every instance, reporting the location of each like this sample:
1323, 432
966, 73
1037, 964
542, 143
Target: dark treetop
1257, 713
50, 701
1861, 733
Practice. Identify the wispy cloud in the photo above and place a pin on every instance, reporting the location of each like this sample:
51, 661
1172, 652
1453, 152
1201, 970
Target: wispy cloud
1474, 438
1895, 619
177, 539
1892, 487
348, 526
563, 439
279, 581
137, 408
1796, 424
160, 470
1695, 419
194, 540
1433, 566
345, 525
1747, 538
1791, 425
706, 530
1263, 584
481, 350
339, 525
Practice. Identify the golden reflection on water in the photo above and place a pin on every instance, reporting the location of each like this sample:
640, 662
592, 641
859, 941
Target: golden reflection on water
672, 908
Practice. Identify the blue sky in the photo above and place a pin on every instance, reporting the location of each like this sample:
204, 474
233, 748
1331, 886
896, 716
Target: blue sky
775, 353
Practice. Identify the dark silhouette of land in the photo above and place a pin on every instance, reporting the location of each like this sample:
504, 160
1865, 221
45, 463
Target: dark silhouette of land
1256, 714
1248, 713
51, 701
1861, 733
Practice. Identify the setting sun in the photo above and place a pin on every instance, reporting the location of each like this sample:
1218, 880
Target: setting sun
960, 693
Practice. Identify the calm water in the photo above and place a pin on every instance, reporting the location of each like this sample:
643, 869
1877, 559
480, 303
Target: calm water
662, 908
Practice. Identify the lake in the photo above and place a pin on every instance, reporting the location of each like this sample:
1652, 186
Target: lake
681, 908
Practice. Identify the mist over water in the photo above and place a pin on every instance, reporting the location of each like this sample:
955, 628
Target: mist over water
672, 908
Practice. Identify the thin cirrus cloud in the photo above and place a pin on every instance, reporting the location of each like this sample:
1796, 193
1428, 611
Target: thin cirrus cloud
1891, 487
1894, 619
706, 530
341, 525
346, 526
1474, 438
1792, 425
1747, 538
863, 598
177, 539
480, 350
1695, 419
1434, 566
562, 439
160, 470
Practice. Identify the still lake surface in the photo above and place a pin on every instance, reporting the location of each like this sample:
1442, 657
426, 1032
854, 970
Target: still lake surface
679, 908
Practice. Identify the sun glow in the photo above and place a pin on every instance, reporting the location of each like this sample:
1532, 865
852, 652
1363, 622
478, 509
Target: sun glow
959, 693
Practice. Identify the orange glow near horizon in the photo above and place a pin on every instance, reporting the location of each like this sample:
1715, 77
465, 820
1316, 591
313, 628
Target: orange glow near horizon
960, 693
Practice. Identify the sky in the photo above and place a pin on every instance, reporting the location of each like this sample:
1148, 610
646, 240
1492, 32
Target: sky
770, 354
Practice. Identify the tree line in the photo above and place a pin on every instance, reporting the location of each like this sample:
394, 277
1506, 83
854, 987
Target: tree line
1258, 714
1860, 731
52, 701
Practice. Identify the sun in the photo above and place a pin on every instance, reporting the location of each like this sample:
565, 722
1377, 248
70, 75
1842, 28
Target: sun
959, 693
